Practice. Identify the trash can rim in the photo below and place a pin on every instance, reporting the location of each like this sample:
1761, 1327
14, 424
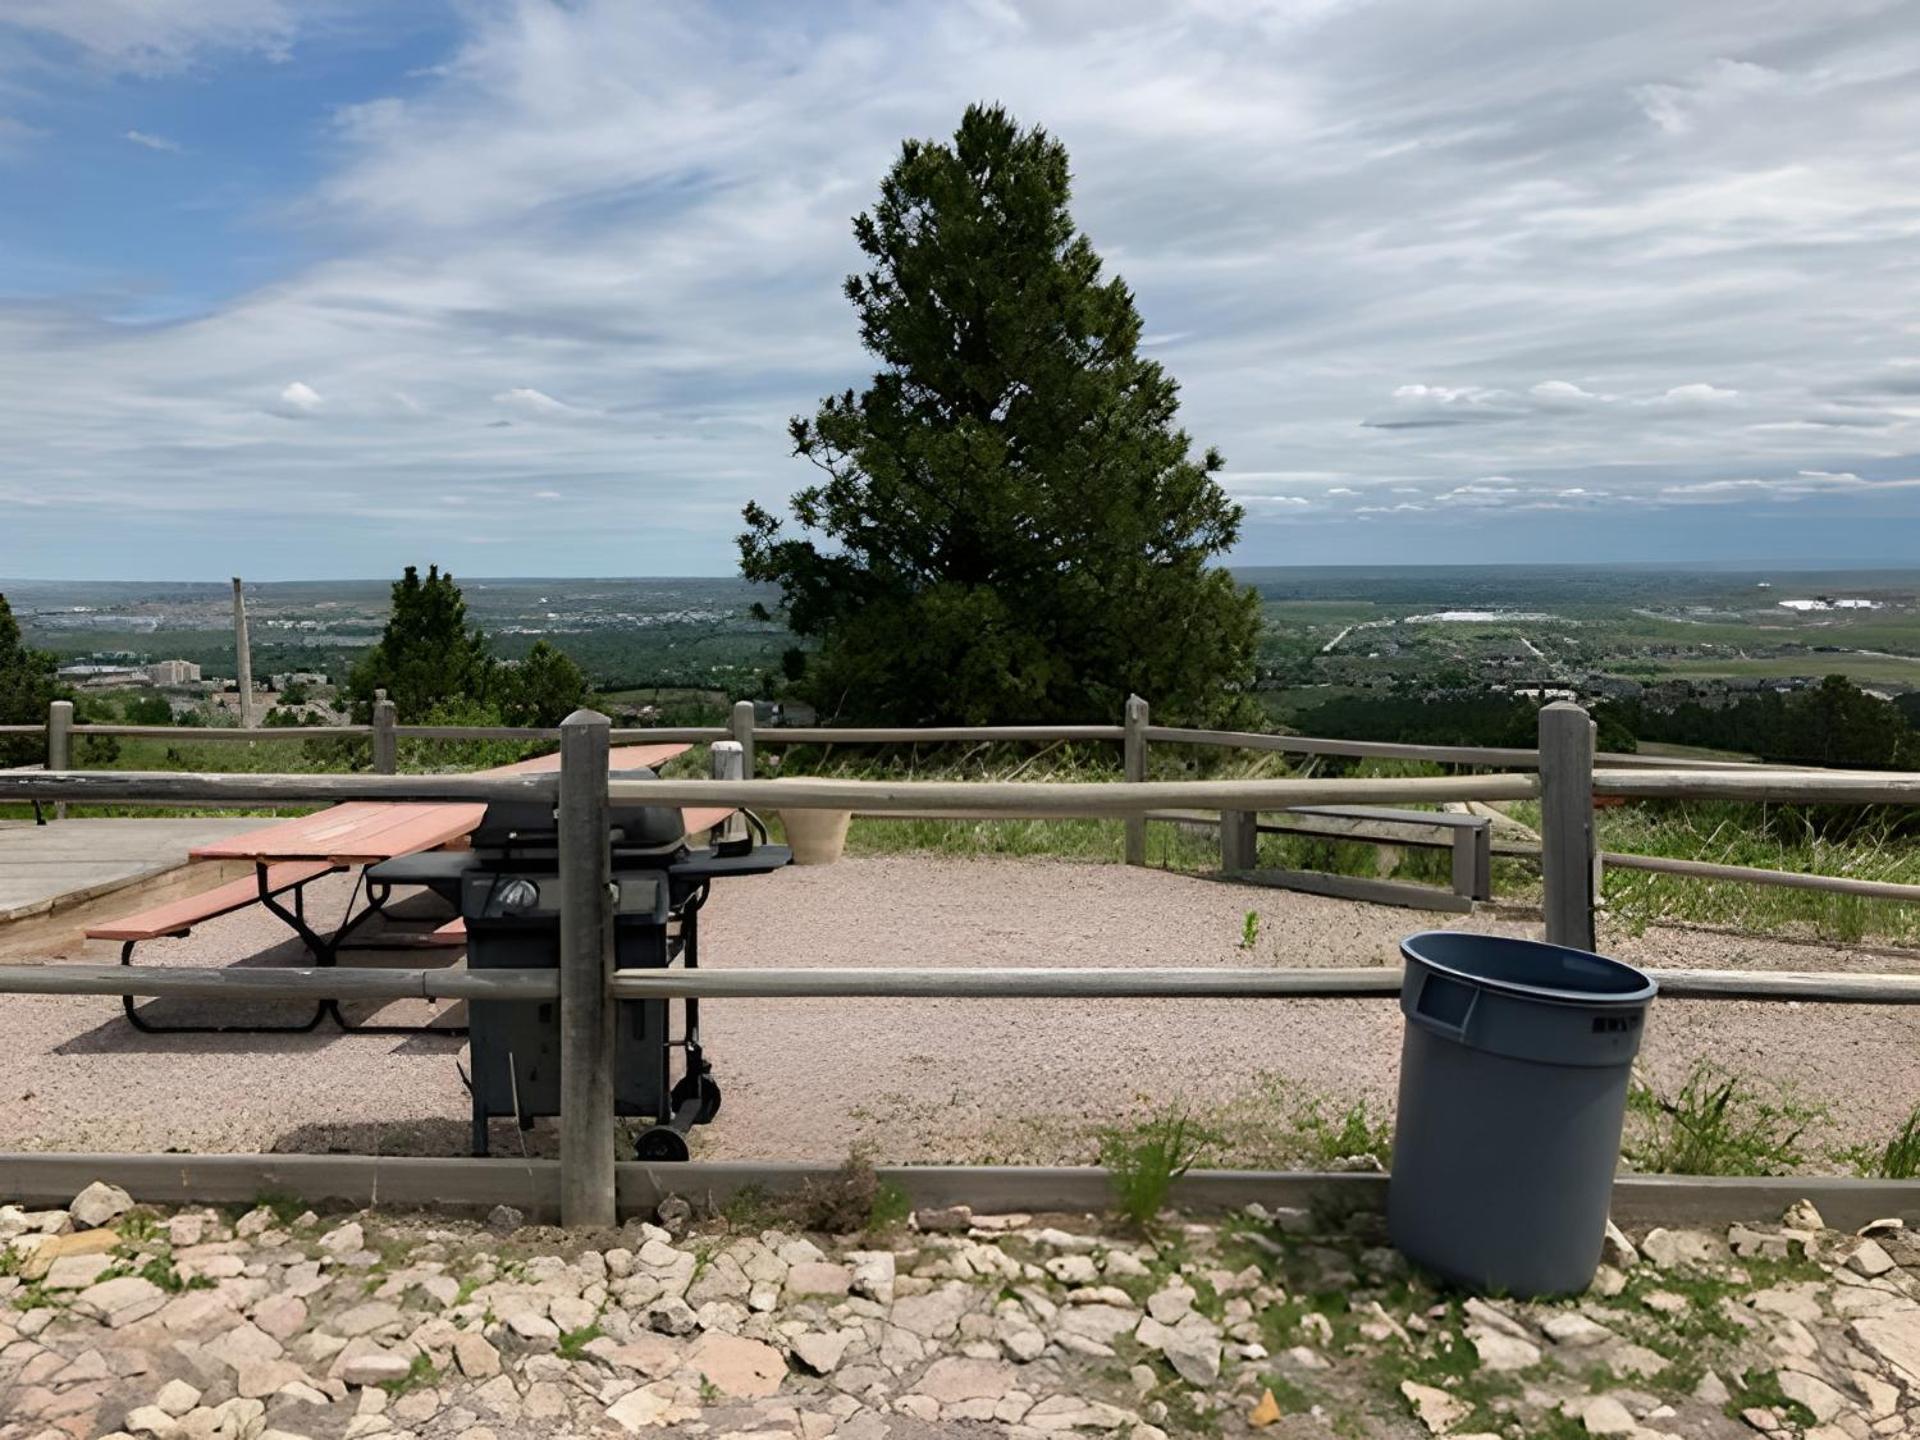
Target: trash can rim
1546, 994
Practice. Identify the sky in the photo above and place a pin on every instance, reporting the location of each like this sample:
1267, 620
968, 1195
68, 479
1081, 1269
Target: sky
319, 288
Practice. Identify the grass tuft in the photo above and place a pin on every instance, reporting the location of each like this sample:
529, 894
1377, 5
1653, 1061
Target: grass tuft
421, 1372
1144, 1161
1716, 1124
1760, 1389
1898, 1159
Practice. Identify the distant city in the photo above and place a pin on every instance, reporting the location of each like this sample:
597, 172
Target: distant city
1592, 632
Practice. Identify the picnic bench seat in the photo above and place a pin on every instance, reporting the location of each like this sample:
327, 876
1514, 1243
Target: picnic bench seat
1469, 837
178, 917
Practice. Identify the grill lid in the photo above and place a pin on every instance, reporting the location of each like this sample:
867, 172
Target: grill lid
533, 824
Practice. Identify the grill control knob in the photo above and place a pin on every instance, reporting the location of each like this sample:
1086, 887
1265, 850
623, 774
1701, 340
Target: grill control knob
517, 895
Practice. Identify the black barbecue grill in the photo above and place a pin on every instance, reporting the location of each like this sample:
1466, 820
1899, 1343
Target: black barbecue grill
509, 896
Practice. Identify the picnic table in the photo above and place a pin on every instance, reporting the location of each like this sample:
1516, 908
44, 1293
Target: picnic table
288, 855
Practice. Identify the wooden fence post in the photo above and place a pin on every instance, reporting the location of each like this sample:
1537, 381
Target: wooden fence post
60, 744
1566, 824
1239, 840
1134, 759
1473, 861
586, 962
386, 745
742, 728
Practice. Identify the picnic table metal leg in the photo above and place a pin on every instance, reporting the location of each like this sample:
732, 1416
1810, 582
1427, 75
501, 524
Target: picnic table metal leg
147, 1027
326, 951
296, 918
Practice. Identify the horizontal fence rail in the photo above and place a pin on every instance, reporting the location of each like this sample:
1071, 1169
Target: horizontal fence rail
225, 732
293, 982
1802, 787
1508, 757
1048, 798
174, 787
855, 735
1188, 983
1561, 774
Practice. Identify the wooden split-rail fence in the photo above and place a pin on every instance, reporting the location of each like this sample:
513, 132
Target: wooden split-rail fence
1563, 773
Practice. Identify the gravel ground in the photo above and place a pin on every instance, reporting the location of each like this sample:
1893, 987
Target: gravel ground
922, 1080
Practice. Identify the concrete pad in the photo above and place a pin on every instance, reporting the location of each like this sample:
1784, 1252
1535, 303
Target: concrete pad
46, 867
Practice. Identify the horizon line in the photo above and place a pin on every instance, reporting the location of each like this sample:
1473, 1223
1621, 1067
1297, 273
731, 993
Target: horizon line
1792, 567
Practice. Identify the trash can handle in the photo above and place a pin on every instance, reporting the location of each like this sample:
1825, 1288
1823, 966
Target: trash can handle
1446, 1005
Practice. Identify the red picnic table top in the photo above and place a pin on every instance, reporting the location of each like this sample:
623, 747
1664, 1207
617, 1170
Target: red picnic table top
620, 757
359, 832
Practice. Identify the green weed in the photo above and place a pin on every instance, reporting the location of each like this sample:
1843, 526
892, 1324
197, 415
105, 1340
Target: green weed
160, 1271
1717, 1124
1250, 930
421, 1372
1761, 1388
751, 1207
1292, 1399
1325, 1141
1898, 1159
573, 1344
286, 1208
36, 1297
1143, 1162
891, 1207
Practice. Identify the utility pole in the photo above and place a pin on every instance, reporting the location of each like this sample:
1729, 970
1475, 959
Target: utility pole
243, 656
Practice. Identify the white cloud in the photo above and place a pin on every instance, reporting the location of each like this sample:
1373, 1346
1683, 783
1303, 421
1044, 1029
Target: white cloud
300, 398
1398, 246
150, 39
539, 404
1722, 85
1798, 486
1565, 392
1698, 393
153, 142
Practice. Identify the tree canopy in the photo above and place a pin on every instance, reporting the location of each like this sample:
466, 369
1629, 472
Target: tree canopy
27, 687
1832, 723
434, 666
543, 689
1010, 524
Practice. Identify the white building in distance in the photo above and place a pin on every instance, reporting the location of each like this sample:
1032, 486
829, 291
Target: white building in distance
1827, 602
173, 672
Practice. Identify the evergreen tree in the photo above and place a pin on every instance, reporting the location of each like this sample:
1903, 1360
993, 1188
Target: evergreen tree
1012, 525
427, 657
542, 689
27, 687
1837, 723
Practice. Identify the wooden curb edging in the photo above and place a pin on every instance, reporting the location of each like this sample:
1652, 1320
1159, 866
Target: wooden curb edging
43, 1179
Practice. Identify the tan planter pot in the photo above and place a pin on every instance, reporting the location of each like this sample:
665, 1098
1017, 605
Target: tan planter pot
817, 836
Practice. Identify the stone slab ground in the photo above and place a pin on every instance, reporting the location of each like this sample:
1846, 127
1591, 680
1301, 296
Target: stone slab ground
271, 1324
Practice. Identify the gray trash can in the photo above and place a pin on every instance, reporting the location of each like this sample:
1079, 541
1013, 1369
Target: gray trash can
1513, 1089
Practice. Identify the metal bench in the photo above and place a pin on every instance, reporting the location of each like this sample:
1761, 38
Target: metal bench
178, 917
